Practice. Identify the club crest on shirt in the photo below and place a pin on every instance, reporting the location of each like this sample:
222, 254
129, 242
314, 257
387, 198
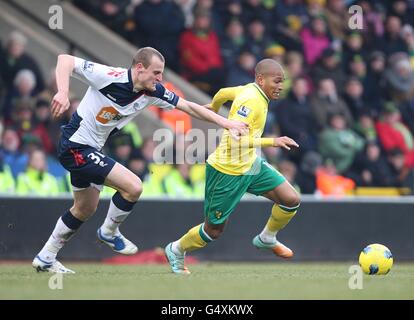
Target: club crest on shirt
243, 111
88, 66
168, 95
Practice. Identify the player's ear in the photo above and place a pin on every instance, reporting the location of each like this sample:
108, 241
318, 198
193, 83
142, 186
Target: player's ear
139, 66
260, 79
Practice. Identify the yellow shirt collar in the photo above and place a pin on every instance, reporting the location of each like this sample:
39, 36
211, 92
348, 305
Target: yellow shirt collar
261, 92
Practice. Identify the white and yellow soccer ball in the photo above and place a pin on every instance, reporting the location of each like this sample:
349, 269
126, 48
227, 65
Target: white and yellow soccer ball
376, 259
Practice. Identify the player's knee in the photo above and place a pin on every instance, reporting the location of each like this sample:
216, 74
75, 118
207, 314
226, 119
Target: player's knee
134, 191
291, 200
214, 232
84, 209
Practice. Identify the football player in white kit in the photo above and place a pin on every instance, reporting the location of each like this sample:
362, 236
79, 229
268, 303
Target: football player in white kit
114, 97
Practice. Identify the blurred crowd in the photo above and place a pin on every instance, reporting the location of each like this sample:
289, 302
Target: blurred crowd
348, 96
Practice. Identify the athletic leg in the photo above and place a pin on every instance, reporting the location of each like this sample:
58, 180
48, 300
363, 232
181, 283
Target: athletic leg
84, 206
223, 193
129, 189
286, 203
274, 186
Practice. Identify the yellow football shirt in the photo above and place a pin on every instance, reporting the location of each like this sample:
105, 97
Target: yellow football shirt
250, 105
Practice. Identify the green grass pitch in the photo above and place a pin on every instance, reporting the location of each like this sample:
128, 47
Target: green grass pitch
241, 281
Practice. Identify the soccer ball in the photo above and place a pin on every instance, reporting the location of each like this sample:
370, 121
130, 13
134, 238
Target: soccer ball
376, 259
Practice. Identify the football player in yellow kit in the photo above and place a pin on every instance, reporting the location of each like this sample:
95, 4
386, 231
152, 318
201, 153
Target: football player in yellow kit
234, 168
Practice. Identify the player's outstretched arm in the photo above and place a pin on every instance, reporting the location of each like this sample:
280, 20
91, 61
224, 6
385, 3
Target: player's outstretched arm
284, 142
64, 68
202, 113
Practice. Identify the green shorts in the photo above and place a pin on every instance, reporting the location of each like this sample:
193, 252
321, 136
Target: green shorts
223, 191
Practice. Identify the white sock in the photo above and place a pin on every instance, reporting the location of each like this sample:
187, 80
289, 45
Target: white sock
113, 220
268, 236
176, 248
60, 235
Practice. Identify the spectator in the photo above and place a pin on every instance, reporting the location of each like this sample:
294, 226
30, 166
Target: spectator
230, 10
148, 150
295, 119
45, 128
326, 101
357, 68
316, 7
151, 185
294, 69
113, 13
371, 168
339, 143
257, 39
289, 17
306, 177
354, 97
337, 18
232, 43
408, 37
216, 21
374, 84
161, 33
23, 89
255, 10
36, 180
365, 125
6, 176
373, 24
16, 59
315, 39
187, 7
392, 41
15, 159
399, 8
330, 183
25, 123
276, 52
394, 134
178, 183
243, 72
353, 47
138, 165
200, 55
400, 78
329, 66
401, 175
121, 148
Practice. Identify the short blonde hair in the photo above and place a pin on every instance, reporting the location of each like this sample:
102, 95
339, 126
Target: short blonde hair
144, 56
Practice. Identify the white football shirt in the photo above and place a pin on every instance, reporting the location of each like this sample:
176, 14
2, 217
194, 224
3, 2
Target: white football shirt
109, 103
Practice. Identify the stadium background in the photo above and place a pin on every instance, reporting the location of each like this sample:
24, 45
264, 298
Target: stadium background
348, 101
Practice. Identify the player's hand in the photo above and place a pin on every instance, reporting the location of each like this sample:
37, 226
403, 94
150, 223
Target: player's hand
60, 104
237, 128
285, 142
